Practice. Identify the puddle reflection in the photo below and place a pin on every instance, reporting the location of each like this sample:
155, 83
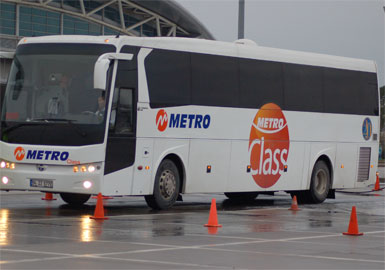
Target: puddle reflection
212, 230
4, 226
90, 229
265, 227
86, 229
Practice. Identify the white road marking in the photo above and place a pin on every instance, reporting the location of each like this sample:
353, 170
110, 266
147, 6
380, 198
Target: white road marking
101, 241
96, 256
37, 260
207, 247
275, 254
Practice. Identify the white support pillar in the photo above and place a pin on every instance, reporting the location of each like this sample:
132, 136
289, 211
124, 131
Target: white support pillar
121, 14
61, 24
17, 22
241, 19
101, 7
82, 7
172, 31
159, 33
140, 23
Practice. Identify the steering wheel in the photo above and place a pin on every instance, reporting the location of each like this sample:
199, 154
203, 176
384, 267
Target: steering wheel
88, 112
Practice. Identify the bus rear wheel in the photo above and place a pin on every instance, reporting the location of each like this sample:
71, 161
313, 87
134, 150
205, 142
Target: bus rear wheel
241, 196
75, 199
166, 186
320, 183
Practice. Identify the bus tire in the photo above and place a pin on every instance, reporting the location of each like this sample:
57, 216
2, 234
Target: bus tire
75, 199
319, 184
166, 186
241, 196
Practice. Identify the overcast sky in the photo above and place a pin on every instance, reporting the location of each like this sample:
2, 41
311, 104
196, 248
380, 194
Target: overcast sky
351, 28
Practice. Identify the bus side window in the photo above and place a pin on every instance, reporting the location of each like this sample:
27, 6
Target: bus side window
121, 121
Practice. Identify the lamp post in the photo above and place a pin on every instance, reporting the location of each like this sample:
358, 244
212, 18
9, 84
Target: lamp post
241, 19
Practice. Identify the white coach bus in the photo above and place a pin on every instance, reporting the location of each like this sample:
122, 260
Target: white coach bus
161, 117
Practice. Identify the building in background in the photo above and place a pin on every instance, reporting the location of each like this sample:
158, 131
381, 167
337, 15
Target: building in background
29, 18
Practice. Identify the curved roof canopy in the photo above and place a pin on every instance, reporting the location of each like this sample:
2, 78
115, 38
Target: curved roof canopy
177, 14
164, 17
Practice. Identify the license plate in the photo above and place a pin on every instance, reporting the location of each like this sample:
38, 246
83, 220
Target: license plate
42, 183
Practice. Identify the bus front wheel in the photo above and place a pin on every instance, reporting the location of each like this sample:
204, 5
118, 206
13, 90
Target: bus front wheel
166, 186
75, 199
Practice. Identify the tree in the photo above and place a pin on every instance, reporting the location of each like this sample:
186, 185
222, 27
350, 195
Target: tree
382, 119
382, 102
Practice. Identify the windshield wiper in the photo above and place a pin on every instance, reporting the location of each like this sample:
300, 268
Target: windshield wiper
42, 121
48, 120
70, 122
20, 125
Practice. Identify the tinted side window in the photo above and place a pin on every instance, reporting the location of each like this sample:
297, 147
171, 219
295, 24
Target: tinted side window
342, 91
168, 78
214, 80
122, 112
303, 88
369, 93
260, 83
127, 70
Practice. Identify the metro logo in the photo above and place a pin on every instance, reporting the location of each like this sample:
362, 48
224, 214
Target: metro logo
19, 153
40, 154
181, 120
47, 155
161, 120
268, 145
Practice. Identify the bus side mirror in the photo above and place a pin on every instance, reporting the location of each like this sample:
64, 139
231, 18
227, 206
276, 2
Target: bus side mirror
100, 73
102, 65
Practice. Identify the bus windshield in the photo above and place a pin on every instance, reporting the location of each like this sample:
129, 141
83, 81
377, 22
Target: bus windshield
50, 86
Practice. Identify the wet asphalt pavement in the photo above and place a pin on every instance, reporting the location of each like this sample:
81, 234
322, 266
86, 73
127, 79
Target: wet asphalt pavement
261, 234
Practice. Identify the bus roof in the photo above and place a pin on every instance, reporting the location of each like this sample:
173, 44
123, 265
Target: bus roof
235, 49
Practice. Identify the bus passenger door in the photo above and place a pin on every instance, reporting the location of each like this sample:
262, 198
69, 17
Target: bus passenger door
121, 141
120, 153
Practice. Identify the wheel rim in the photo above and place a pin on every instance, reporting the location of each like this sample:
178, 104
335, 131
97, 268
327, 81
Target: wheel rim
167, 184
321, 182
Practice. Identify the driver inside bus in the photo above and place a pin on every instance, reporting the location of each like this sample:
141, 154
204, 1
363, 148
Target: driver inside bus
101, 106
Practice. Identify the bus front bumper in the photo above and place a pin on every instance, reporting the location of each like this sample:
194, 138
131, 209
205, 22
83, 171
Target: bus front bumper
52, 178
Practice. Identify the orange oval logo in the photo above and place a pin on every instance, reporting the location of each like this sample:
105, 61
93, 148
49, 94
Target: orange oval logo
19, 153
268, 145
161, 120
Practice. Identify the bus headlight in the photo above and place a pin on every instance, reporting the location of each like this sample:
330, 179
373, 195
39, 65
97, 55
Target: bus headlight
85, 168
87, 184
7, 165
91, 168
5, 180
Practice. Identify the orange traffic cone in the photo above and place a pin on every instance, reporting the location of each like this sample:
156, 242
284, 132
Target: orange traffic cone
294, 204
99, 209
377, 185
213, 219
48, 197
353, 225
